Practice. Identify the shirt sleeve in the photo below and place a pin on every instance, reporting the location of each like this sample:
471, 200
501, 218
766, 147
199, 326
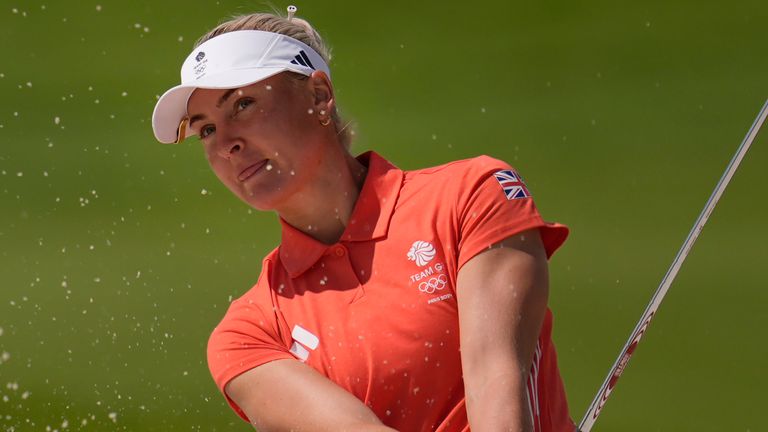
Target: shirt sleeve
247, 337
497, 204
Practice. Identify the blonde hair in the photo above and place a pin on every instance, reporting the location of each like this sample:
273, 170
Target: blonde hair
296, 28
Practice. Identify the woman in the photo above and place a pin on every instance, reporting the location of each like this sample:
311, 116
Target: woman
411, 301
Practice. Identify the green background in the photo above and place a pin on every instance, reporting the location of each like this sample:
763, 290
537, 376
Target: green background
118, 255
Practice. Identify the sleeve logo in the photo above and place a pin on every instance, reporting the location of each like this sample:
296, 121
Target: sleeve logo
512, 184
303, 341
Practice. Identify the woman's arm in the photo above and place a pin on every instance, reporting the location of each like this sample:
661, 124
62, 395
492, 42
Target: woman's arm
502, 296
287, 395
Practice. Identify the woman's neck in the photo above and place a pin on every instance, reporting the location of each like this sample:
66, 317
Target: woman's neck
323, 209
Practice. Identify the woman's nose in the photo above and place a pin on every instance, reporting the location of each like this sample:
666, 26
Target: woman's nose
229, 146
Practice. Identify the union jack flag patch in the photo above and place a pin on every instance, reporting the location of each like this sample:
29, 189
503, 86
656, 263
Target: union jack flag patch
512, 183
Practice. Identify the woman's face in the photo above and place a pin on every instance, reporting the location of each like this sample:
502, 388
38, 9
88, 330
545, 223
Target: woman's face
264, 141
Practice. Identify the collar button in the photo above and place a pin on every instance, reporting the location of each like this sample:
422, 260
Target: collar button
339, 251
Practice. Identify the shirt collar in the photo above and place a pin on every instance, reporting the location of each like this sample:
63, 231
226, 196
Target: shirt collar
369, 220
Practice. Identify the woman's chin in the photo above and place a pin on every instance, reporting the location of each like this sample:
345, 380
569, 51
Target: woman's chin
262, 201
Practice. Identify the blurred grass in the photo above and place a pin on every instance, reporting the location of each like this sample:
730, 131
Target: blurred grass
118, 255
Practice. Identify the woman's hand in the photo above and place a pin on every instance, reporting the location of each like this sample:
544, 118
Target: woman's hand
287, 395
502, 295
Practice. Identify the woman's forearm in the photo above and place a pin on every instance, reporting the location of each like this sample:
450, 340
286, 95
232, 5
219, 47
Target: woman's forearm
501, 405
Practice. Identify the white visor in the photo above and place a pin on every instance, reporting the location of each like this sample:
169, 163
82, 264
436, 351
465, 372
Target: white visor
230, 60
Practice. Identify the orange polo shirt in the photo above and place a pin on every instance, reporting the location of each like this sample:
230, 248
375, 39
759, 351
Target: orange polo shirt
376, 312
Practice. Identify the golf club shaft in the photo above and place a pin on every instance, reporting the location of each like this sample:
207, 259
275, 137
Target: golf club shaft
626, 353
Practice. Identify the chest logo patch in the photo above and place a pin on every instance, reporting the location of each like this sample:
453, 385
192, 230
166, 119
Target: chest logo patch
432, 284
421, 252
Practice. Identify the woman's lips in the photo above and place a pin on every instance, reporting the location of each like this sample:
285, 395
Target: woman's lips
251, 170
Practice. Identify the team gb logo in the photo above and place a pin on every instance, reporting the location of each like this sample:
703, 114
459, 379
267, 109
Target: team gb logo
422, 252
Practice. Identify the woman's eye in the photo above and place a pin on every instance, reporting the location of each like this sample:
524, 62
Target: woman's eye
206, 130
243, 103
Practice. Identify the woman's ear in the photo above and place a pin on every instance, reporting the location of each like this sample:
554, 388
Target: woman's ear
322, 91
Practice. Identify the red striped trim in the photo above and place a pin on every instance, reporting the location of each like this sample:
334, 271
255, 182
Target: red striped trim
533, 390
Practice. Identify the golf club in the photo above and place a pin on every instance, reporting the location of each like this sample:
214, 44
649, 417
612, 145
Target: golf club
629, 348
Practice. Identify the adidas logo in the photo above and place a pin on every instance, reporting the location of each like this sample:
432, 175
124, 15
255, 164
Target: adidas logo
303, 341
302, 59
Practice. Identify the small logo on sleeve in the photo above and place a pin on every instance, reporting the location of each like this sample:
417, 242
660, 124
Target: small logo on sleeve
512, 184
200, 56
303, 341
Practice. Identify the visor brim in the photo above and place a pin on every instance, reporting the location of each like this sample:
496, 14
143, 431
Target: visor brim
171, 108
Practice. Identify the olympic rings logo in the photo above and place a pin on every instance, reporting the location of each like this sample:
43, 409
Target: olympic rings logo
435, 283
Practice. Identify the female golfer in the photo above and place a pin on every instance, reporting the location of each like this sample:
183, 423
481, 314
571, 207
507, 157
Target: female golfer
397, 300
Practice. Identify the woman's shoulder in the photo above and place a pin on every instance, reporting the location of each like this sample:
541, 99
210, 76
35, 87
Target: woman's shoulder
478, 165
258, 296
252, 310
456, 176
